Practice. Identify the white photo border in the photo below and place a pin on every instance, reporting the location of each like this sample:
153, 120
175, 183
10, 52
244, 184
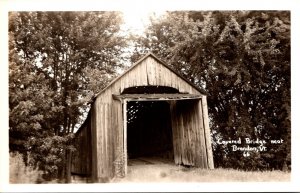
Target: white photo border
110, 5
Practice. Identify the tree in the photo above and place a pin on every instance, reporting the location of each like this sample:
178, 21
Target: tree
58, 61
242, 60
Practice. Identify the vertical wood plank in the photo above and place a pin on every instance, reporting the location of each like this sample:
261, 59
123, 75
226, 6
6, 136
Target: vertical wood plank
89, 137
184, 130
94, 142
207, 133
121, 138
202, 138
197, 137
99, 130
125, 134
111, 134
181, 134
105, 138
192, 136
177, 134
174, 131
114, 123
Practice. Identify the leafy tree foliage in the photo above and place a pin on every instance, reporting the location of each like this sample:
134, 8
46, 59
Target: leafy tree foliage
57, 61
242, 60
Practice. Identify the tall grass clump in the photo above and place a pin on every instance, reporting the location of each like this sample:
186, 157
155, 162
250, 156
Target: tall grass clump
20, 173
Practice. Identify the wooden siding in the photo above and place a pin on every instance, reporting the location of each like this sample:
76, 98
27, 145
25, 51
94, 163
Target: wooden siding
148, 73
104, 143
118, 137
188, 133
94, 140
82, 158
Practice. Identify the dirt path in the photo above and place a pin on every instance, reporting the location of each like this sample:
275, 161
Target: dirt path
160, 170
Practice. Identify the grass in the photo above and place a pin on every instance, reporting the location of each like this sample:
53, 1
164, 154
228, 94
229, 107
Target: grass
20, 173
171, 173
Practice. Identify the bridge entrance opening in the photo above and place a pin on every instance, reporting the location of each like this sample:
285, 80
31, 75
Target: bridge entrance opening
149, 130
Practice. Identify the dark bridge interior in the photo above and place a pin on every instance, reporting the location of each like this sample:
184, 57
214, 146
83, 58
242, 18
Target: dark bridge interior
149, 130
149, 90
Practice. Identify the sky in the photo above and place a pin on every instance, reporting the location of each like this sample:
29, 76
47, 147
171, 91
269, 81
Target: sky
137, 18
135, 21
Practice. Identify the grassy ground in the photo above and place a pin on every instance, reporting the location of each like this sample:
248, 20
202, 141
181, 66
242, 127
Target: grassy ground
167, 172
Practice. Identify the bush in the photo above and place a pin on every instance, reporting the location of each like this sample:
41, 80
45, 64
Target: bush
20, 173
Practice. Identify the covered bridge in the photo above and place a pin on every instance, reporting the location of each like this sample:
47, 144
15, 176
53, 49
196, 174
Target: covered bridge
149, 110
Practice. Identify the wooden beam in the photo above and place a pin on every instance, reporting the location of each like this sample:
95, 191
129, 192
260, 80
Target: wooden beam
125, 134
207, 134
156, 97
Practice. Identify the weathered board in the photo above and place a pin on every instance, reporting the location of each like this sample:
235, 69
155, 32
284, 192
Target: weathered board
188, 133
157, 97
82, 158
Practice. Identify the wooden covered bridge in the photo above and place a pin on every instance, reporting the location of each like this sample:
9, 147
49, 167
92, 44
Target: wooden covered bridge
149, 110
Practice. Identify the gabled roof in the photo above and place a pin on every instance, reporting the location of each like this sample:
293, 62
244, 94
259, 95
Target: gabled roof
150, 54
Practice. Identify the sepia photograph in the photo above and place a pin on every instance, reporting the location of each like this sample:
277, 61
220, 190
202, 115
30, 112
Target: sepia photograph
148, 96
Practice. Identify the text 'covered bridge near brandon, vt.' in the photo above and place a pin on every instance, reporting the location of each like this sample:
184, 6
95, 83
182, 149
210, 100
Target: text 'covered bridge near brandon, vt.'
150, 110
